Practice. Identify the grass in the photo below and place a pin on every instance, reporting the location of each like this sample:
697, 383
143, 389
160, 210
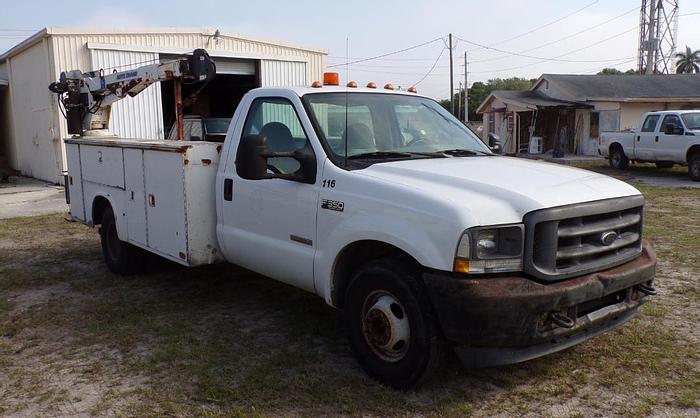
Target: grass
222, 341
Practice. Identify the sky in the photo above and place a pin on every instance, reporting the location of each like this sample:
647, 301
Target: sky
586, 35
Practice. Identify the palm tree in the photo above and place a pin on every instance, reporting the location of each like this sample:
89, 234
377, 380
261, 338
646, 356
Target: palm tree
688, 61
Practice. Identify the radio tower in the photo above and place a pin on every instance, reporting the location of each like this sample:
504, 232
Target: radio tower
658, 32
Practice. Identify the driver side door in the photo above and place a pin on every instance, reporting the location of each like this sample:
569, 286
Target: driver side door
270, 224
672, 145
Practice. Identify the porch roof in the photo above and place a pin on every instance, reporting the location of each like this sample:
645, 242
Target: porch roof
527, 99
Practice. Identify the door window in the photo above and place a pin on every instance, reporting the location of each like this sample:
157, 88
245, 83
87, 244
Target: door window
650, 123
276, 119
673, 120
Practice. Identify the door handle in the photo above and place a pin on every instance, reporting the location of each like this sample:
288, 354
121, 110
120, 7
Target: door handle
657, 138
637, 138
228, 189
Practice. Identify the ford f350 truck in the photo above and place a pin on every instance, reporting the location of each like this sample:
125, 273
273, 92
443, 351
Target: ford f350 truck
386, 206
666, 138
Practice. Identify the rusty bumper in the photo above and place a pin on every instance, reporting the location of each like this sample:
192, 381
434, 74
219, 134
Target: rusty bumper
504, 320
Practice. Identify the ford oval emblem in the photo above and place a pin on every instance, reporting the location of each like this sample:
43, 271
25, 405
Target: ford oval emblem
607, 238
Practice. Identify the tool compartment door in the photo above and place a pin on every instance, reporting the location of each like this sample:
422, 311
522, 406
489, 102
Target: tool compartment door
165, 203
135, 196
75, 182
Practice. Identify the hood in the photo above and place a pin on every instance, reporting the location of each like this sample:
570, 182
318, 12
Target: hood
495, 190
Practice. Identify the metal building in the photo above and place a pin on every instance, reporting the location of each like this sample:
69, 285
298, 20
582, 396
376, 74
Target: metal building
31, 124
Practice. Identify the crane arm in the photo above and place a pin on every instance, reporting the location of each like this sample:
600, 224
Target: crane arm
87, 97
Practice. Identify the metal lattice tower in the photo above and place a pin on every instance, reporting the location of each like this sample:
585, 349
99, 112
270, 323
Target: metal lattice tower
658, 34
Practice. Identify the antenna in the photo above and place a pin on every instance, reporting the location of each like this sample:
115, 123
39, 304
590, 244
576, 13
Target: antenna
347, 77
658, 35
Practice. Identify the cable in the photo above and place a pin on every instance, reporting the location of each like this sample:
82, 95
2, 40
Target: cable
521, 53
431, 68
387, 54
541, 27
559, 56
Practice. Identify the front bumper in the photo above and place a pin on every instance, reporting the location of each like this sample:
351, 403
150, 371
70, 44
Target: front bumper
504, 320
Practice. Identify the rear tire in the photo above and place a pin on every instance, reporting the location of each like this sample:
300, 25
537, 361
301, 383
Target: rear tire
121, 257
694, 166
618, 159
664, 164
394, 333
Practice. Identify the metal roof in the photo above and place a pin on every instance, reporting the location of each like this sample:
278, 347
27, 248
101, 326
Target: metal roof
49, 31
528, 99
625, 87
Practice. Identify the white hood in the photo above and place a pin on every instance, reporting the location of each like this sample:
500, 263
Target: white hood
498, 189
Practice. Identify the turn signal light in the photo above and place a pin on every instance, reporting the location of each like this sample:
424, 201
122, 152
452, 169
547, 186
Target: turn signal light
389, 86
352, 84
331, 79
461, 265
371, 85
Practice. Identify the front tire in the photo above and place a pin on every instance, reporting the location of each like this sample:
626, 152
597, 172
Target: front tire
121, 257
618, 159
393, 331
694, 166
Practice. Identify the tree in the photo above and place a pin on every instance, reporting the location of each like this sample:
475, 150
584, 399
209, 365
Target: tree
688, 62
479, 91
615, 71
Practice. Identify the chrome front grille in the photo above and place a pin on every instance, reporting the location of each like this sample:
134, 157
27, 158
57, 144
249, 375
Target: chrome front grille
574, 240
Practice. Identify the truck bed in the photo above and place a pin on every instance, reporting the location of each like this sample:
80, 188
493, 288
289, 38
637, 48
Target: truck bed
162, 192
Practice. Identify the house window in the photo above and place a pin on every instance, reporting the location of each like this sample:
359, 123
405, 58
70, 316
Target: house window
492, 122
595, 125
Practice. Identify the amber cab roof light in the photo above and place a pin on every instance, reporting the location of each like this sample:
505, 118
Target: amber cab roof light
331, 79
352, 84
316, 84
412, 89
371, 85
389, 86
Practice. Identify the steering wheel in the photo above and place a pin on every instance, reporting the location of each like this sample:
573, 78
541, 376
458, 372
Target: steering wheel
418, 137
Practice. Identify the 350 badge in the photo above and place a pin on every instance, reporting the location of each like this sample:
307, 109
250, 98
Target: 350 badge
332, 205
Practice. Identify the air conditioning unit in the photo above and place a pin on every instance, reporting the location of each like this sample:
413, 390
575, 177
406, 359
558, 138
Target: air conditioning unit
535, 145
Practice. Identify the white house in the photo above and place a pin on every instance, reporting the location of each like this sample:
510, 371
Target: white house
31, 124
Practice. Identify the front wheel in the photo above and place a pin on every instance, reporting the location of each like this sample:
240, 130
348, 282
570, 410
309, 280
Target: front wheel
121, 257
694, 166
618, 159
393, 331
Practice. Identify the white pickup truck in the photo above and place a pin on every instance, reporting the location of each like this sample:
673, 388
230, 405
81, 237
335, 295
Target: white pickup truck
387, 207
666, 138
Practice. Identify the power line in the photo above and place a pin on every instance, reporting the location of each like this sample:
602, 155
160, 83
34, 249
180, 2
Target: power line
431, 68
387, 54
562, 55
541, 26
521, 53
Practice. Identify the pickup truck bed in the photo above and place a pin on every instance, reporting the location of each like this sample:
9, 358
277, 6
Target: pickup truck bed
161, 189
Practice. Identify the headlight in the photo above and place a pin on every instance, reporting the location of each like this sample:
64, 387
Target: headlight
493, 249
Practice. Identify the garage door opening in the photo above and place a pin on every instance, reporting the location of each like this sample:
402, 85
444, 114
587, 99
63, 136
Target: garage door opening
216, 100
5, 150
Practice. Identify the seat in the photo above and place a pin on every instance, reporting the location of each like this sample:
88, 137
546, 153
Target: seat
360, 138
280, 139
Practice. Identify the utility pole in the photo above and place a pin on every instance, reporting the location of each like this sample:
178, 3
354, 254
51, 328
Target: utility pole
466, 91
459, 100
452, 85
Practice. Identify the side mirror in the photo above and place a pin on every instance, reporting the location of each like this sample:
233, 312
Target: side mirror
495, 143
252, 155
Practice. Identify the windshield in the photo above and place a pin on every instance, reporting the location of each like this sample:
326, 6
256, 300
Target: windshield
217, 125
389, 126
692, 120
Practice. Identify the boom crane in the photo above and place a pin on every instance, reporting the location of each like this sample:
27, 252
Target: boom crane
87, 97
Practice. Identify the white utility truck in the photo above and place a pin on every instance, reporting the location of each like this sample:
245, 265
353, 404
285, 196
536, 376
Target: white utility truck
386, 206
665, 138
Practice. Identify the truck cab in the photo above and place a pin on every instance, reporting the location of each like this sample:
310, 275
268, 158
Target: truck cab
391, 210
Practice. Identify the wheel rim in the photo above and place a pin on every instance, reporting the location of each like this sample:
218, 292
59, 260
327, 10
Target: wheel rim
616, 159
695, 168
113, 243
385, 326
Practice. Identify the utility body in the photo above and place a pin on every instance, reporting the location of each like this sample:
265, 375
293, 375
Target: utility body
665, 138
387, 207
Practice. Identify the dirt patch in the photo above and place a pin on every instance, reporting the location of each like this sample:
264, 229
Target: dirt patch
221, 341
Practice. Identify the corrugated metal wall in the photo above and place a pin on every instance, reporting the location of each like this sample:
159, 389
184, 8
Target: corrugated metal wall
133, 117
283, 73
